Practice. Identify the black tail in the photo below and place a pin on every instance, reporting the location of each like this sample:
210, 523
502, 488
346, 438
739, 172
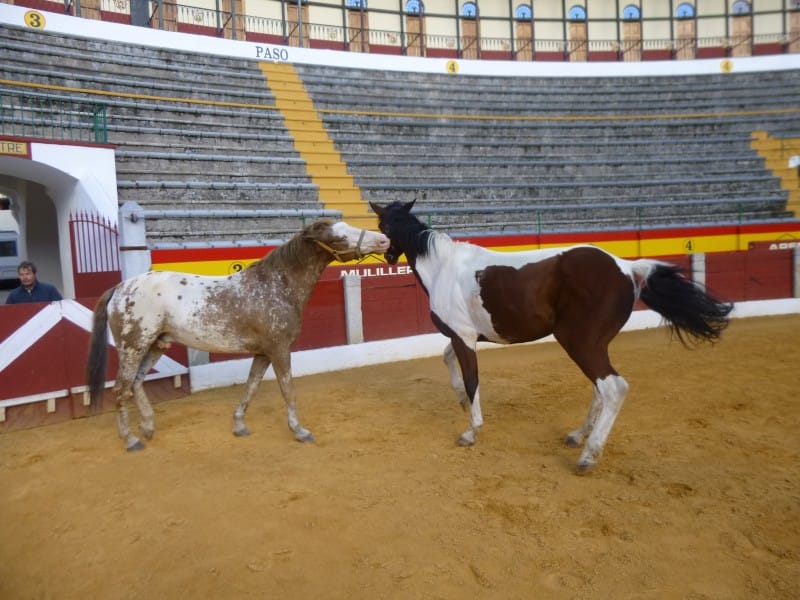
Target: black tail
98, 351
691, 313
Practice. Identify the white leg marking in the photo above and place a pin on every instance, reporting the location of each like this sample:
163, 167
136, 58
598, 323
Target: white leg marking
612, 391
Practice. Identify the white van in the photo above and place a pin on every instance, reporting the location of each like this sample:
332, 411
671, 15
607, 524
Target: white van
9, 246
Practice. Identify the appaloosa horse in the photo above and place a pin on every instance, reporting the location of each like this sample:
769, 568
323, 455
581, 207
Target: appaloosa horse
582, 295
256, 311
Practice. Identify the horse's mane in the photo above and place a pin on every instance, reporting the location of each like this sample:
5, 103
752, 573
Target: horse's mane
413, 234
296, 250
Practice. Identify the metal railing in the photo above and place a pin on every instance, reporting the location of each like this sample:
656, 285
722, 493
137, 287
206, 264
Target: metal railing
328, 25
52, 117
333, 35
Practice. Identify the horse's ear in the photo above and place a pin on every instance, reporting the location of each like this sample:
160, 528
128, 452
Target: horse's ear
377, 208
409, 205
316, 230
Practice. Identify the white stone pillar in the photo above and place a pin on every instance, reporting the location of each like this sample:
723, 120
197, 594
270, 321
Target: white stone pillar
353, 317
796, 271
699, 268
134, 257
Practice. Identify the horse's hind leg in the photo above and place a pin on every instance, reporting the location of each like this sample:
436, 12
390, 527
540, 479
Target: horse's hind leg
257, 370
611, 390
283, 372
575, 438
123, 390
147, 422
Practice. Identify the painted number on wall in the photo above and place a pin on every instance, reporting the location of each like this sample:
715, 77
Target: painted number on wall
689, 245
235, 267
34, 19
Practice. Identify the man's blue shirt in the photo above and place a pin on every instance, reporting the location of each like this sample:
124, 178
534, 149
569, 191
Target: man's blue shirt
41, 292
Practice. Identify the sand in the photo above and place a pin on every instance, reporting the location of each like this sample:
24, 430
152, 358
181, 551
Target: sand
697, 496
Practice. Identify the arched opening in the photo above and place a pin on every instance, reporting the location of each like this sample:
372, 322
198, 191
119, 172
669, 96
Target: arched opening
415, 28
631, 33
357, 26
523, 16
741, 42
686, 39
578, 45
470, 31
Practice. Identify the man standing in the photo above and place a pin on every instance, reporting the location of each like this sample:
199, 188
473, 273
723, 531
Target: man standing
31, 290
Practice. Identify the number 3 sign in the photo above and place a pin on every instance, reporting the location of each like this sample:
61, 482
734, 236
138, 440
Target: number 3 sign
34, 19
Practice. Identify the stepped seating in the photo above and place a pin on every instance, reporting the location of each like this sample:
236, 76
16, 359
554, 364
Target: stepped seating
444, 93
208, 133
194, 132
489, 153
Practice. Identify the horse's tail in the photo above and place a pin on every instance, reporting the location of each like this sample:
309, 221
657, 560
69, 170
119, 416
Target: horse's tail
98, 351
692, 314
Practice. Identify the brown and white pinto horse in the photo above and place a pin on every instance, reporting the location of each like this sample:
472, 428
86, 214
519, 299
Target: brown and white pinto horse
582, 295
256, 311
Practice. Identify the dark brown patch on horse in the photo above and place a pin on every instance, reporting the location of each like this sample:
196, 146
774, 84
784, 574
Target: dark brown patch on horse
581, 285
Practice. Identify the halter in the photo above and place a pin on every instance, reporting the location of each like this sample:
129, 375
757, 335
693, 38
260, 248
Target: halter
337, 254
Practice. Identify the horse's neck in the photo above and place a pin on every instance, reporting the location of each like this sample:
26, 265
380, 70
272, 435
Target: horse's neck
429, 264
299, 274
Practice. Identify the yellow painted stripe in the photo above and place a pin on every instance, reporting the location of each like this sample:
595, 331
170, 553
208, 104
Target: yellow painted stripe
222, 268
627, 248
337, 188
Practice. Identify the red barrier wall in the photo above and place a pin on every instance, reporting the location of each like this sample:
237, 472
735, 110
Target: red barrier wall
394, 307
752, 275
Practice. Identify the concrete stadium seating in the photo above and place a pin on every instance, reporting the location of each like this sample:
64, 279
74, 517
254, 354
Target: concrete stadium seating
481, 154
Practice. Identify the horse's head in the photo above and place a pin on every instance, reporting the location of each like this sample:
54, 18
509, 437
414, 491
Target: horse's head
392, 221
345, 242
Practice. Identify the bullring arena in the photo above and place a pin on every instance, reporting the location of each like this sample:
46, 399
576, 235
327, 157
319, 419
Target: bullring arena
201, 138
696, 496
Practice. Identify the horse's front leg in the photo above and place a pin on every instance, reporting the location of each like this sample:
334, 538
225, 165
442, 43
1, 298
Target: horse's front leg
257, 369
283, 372
468, 361
456, 381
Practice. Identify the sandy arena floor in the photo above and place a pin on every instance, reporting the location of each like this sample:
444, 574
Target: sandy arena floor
697, 496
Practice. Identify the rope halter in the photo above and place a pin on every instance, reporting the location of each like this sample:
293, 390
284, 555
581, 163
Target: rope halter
337, 254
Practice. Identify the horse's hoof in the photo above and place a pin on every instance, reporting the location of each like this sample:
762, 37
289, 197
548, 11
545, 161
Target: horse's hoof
585, 467
573, 441
465, 441
305, 437
135, 447
243, 432
148, 433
